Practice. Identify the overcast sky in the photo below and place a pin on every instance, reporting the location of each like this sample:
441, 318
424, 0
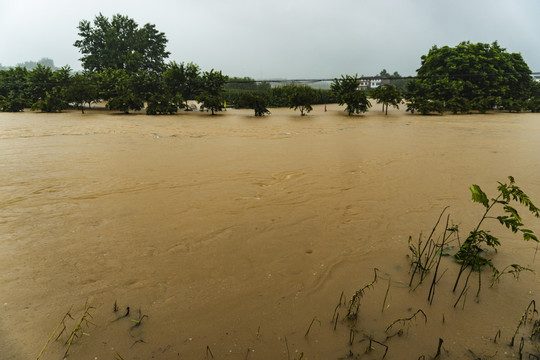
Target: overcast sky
281, 38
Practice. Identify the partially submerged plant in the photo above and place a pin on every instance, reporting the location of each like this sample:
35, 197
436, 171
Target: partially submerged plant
354, 304
406, 321
470, 253
424, 254
78, 329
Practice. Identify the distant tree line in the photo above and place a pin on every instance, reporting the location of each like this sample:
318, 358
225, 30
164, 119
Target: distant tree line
125, 66
32, 64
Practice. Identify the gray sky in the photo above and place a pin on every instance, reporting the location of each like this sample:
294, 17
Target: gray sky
281, 38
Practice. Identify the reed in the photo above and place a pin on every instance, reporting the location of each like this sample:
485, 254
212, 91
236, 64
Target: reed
78, 329
423, 254
61, 323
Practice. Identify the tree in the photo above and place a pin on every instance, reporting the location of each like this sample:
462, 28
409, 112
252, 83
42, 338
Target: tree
300, 97
347, 92
183, 80
122, 91
160, 98
212, 87
479, 76
82, 90
255, 102
533, 102
14, 89
120, 43
387, 95
394, 79
48, 88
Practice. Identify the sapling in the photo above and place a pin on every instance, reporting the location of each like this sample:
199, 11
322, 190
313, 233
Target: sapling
469, 253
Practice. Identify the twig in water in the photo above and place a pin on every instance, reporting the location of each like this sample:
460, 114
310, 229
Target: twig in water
352, 333
465, 288
208, 351
370, 348
337, 306
354, 305
136, 342
139, 320
405, 320
497, 335
386, 294
312, 321
431, 294
437, 356
523, 319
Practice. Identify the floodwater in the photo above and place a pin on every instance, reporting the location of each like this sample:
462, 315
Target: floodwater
229, 235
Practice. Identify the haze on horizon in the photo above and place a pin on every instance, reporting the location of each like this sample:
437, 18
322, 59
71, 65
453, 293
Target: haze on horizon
291, 39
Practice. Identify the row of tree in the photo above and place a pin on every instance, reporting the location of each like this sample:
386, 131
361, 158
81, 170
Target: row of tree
125, 65
163, 93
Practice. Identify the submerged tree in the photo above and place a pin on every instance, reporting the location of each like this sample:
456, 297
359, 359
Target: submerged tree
183, 80
300, 97
13, 89
387, 95
347, 92
212, 87
48, 88
123, 92
255, 102
82, 90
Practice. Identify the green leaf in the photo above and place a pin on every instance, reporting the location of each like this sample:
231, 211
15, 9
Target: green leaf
479, 196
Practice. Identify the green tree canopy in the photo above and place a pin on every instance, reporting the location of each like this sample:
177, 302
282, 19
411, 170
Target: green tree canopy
254, 101
300, 97
473, 76
183, 80
347, 92
122, 90
82, 89
13, 89
120, 43
212, 83
387, 95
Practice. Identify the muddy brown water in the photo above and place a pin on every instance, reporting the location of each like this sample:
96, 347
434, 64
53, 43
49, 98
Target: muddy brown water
233, 233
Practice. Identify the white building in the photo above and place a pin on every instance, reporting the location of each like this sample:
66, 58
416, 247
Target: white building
370, 83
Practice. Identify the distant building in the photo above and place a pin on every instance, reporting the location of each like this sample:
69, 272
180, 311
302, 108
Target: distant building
372, 83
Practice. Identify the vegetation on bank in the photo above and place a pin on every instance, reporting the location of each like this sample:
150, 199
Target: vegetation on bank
125, 66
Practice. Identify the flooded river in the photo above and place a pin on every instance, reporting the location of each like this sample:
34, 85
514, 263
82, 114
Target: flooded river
229, 235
